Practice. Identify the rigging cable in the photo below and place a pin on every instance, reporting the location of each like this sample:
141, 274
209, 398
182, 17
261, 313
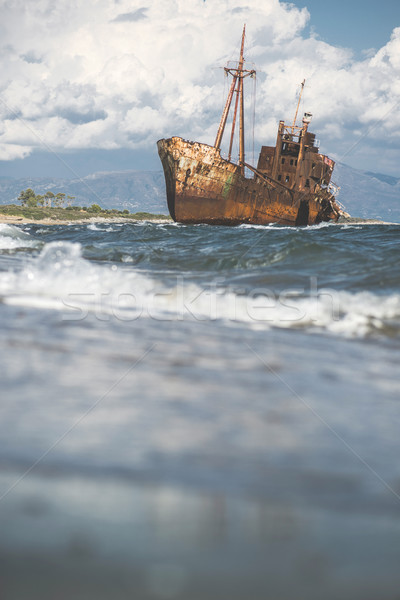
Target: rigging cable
254, 109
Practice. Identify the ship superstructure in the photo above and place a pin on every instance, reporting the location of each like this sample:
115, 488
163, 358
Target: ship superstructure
291, 184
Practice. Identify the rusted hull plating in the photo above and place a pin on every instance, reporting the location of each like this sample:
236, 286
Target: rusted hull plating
202, 187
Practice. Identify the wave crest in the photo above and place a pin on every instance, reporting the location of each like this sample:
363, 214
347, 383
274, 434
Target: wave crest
13, 238
60, 278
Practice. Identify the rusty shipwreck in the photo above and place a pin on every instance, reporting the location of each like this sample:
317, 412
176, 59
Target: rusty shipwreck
291, 184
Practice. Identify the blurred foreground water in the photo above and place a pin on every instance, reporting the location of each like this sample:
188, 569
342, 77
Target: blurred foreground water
198, 412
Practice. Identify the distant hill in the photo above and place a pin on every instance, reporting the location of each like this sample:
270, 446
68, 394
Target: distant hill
134, 190
368, 195
363, 193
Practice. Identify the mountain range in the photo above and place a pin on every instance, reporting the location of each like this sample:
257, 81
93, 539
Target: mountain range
362, 193
368, 195
134, 190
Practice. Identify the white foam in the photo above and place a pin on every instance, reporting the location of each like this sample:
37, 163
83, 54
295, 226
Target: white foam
61, 279
347, 226
12, 237
321, 225
103, 227
279, 227
275, 226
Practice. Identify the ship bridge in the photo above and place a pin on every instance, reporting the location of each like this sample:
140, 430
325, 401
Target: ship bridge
295, 161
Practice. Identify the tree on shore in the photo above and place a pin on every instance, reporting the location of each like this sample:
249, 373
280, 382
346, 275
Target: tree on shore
59, 200
48, 198
30, 199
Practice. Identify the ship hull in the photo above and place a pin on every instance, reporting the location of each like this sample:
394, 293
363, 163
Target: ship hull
202, 187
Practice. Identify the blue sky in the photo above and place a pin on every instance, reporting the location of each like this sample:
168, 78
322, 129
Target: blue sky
90, 86
356, 24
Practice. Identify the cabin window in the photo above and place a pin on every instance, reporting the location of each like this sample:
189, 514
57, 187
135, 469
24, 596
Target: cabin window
287, 179
279, 177
283, 161
291, 161
307, 183
295, 162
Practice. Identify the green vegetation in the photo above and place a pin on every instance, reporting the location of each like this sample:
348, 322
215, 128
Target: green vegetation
30, 199
51, 207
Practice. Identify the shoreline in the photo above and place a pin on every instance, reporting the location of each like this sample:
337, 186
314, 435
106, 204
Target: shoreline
12, 220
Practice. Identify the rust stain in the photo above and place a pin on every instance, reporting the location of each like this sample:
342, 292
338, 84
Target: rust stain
202, 187
291, 184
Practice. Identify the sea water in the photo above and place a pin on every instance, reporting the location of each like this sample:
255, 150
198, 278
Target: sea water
199, 412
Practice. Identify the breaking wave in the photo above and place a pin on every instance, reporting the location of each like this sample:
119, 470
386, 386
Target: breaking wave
61, 278
13, 238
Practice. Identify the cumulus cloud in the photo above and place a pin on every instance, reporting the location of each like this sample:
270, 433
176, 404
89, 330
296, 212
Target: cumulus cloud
99, 74
136, 15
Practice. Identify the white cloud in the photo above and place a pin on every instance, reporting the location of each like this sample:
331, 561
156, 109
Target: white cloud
13, 151
102, 74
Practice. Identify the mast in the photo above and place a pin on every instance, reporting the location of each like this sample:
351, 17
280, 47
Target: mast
241, 128
298, 104
224, 117
238, 74
237, 90
241, 117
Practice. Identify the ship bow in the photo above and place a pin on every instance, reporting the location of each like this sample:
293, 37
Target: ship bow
166, 154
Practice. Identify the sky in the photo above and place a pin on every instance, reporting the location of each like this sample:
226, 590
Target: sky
91, 85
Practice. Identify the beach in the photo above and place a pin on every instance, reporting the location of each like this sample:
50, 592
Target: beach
14, 220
